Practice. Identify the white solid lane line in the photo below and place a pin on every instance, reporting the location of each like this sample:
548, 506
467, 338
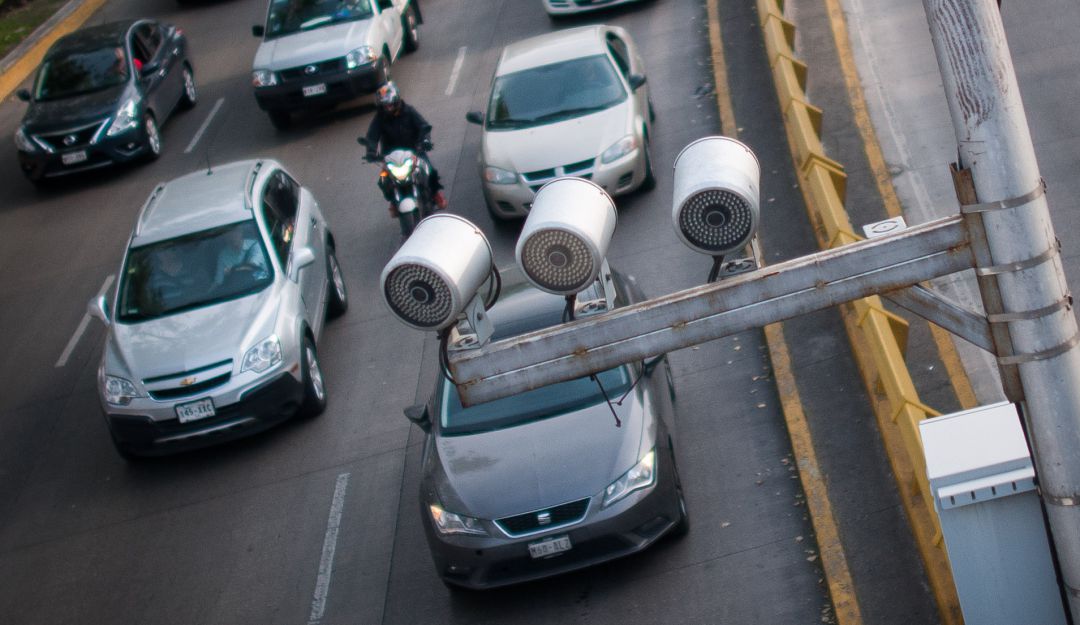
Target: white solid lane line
205, 125
82, 327
326, 565
458, 62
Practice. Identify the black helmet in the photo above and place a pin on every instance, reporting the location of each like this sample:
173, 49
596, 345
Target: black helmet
387, 97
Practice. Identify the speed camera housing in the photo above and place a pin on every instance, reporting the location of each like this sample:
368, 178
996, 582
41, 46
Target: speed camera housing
436, 272
716, 204
565, 238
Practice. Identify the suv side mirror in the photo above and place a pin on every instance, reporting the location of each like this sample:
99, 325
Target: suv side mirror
23, 95
474, 117
419, 415
258, 30
98, 309
636, 80
300, 258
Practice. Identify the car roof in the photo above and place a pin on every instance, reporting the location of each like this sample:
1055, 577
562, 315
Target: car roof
551, 48
93, 37
522, 307
198, 201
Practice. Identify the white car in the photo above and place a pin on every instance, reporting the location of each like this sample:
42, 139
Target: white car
222, 295
318, 53
556, 8
568, 103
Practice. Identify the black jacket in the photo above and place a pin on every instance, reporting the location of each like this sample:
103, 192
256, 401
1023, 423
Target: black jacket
407, 129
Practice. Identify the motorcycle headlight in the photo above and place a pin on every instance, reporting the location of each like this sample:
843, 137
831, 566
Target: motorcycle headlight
263, 355
118, 391
621, 148
364, 55
450, 523
402, 171
641, 475
496, 175
263, 78
126, 119
23, 142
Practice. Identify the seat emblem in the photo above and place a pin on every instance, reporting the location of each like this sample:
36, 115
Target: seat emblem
188, 381
70, 140
543, 518
311, 69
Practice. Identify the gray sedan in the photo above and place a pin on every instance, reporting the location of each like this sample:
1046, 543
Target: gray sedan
553, 479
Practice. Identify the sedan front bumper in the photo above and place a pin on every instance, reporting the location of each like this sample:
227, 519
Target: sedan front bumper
331, 88
122, 148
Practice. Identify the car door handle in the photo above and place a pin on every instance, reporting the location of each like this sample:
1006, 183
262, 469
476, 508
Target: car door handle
314, 224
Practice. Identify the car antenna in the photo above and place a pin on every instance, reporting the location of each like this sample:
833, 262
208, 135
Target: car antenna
209, 170
568, 315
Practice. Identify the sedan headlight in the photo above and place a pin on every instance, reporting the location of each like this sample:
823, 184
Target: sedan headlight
450, 523
402, 171
263, 355
126, 119
364, 55
118, 391
495, 175
23, 142
642, 475
621, 148
263, 78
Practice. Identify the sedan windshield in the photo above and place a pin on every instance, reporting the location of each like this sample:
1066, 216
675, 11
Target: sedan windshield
290, 16
552, 93
193, 271
540, 403
79, 72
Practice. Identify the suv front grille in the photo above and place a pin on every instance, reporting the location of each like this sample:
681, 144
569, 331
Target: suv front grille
564, 514
302, 72
193, 389
185, 383
71, 138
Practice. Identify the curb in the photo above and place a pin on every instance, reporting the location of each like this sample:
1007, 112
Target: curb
24, 59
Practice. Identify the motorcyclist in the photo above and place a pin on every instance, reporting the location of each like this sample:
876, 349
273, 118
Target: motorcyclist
399, 125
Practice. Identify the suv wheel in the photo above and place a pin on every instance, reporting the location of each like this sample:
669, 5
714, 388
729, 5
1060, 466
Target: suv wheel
339, 298
153, 137
191, 93
412, 30
314, 386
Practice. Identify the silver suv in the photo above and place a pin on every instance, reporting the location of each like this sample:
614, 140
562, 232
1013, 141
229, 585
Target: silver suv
222, 295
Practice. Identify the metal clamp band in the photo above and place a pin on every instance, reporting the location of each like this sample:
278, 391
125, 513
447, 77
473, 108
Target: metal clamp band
1046, 354
1005, 204
1019, 265
1026, 315
1062, 501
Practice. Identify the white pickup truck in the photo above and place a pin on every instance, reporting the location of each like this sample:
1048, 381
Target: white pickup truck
317, 53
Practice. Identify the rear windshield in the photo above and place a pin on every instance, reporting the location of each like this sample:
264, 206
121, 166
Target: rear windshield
553, 93
534, 405
193, 271
290, 16
82, 71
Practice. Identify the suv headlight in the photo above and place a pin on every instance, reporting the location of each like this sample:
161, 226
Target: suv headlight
621, 148
263, 355
23, 142
364, 55
496, 175
126, 119
450, 523
263, 78
118, 391
642, 475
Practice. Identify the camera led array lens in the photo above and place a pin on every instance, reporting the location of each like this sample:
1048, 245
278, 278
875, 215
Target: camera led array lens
418, 295
558, 261
716, 221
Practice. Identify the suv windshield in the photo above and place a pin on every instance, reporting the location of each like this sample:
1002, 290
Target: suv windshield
552, 93
290, 16
193, 271
81, 71
540, 403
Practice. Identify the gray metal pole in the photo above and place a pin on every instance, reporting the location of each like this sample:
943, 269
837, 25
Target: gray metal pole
995, 145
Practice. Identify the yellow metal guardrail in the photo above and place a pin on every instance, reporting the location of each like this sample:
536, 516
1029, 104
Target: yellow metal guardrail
879, 337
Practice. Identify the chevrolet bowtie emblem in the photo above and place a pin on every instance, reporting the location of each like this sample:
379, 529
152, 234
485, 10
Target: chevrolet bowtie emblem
188, 381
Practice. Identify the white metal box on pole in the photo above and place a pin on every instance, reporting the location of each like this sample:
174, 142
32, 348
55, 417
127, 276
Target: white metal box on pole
983, 483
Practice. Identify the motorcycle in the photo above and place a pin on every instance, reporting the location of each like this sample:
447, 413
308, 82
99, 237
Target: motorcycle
404, 178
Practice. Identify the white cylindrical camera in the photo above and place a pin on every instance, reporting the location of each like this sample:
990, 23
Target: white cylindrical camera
717, 197
566, 236
436, 272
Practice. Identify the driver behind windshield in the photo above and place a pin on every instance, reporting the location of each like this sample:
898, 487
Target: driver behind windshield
240, 255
